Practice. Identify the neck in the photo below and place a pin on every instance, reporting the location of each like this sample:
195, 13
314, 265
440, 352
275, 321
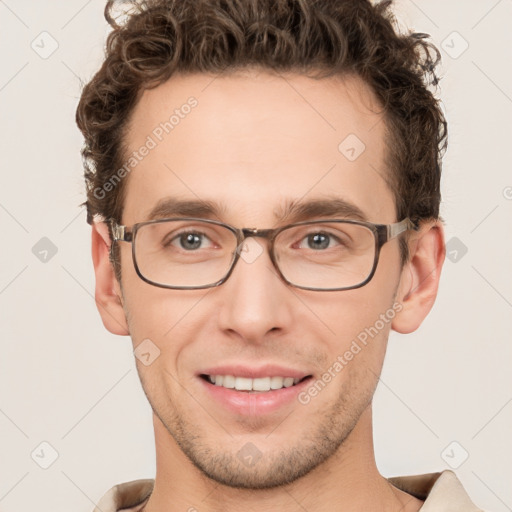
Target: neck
349, 481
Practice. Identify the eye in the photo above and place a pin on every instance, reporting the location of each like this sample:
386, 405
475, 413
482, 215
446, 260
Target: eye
318, 241
188, 240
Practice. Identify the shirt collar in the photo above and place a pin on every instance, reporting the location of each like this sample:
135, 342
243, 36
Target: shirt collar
440, 491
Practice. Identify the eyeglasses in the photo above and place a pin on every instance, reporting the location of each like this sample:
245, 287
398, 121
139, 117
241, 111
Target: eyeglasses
321, 255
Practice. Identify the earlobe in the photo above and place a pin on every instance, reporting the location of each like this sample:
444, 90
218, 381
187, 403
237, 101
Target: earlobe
107, 292
419, 281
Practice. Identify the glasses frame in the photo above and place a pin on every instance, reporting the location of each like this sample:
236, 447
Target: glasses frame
383, 233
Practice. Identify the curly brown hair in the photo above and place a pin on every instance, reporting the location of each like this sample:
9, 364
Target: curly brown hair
317, 38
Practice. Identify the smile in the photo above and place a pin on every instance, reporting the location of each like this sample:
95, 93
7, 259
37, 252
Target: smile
257, 385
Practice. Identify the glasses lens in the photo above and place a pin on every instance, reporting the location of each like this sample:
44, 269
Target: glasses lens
326, 255
183, 252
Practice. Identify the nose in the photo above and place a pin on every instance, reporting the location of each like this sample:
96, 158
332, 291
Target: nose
254, 299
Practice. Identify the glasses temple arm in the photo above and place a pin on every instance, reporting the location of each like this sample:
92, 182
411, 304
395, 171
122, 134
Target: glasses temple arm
399, 227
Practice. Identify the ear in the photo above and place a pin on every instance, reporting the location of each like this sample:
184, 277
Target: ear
108, 291
419, 280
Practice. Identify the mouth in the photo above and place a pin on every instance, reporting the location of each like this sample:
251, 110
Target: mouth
254, 390
254, 385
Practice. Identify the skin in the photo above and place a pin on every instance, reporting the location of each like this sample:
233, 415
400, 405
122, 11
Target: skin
254, 141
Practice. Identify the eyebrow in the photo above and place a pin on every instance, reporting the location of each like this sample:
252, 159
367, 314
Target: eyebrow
293, 210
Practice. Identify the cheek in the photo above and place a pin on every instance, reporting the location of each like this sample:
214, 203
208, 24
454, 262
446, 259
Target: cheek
357, 323
344, 315
157, 313
171, 319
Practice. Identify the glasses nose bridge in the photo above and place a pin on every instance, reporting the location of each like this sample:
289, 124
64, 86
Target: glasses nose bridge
261, 233
267, 234
244, 233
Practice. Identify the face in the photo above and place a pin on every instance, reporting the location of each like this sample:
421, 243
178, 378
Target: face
253, 143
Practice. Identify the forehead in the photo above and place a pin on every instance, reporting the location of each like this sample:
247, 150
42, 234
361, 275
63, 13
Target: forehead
253, 141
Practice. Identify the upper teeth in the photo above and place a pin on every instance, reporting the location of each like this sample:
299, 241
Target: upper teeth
247, 384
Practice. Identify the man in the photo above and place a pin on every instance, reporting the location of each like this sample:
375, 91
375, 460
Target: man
263, 188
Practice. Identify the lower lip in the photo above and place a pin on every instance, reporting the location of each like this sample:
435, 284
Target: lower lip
254, 403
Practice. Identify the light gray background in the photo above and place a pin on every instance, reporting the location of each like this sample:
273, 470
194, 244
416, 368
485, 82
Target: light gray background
66, 381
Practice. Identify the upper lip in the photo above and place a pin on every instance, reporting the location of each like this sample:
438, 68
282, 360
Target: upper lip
252, 372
